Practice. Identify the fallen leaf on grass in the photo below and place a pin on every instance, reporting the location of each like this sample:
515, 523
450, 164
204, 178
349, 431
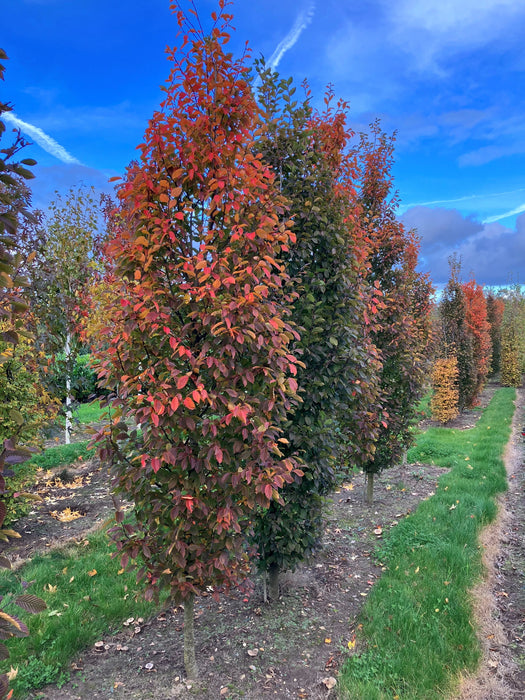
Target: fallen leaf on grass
93, 572
66, 516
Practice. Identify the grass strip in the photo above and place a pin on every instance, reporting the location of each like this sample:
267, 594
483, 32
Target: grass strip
417, 632
86, 413
62, 455
88, 598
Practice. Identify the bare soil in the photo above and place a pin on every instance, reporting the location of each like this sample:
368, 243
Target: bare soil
294, 648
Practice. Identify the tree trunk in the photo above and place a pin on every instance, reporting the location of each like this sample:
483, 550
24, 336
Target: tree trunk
69, 415
369, 492
190, 663
273, 581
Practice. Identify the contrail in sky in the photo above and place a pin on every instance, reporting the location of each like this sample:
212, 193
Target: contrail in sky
517, 210
462, 199
41, 138
302, 21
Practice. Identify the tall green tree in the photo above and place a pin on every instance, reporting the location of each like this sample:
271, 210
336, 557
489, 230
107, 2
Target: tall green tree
495, 309
309, 154
198, 336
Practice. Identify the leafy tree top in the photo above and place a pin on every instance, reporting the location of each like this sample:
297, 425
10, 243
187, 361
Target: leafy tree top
198, 340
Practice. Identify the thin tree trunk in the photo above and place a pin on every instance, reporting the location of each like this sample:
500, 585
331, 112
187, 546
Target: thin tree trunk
273, 581
69, 415
190, 663
369, 492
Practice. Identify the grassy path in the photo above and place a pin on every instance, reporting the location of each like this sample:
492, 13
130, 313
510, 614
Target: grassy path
417, 633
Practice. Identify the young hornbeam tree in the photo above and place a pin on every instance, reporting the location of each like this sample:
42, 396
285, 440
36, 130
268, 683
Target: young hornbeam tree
400, 324
69, 258
495, 310
513, 338
479, 327
307, 152
457, 338
197, 351
444, 401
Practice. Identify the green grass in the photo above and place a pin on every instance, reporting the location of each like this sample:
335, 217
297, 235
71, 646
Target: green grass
25, 475
87, 413
417, 634
423, 407
62, 455
82, 609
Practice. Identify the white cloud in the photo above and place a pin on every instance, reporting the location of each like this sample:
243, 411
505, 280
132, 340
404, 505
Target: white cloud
492, 253
41, 138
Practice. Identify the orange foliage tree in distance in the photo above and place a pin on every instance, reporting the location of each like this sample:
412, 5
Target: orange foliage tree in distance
444, 401
479, 327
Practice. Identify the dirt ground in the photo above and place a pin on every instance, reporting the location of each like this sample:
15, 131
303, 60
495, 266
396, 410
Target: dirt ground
292, 649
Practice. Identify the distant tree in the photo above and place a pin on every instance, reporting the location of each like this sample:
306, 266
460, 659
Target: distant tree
457, 339
197, 342
513, 337
495, 309
72, 232
479, 327
400, 325
445, 394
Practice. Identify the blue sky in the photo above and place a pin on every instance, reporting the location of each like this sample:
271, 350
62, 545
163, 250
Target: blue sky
446, 74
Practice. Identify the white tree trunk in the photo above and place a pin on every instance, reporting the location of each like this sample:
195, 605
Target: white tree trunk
69, 415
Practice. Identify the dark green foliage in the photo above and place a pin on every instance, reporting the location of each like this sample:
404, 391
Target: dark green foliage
305, 151
495, 307
83, 378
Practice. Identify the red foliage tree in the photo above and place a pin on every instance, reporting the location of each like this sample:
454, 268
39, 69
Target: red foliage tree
198, 353
479, 326
398, 318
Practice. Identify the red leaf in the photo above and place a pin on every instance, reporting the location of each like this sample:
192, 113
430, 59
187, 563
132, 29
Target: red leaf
182, 381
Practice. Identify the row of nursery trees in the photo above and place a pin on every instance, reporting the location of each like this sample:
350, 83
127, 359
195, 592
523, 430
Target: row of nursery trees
260, 323
477, 335
255, 314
